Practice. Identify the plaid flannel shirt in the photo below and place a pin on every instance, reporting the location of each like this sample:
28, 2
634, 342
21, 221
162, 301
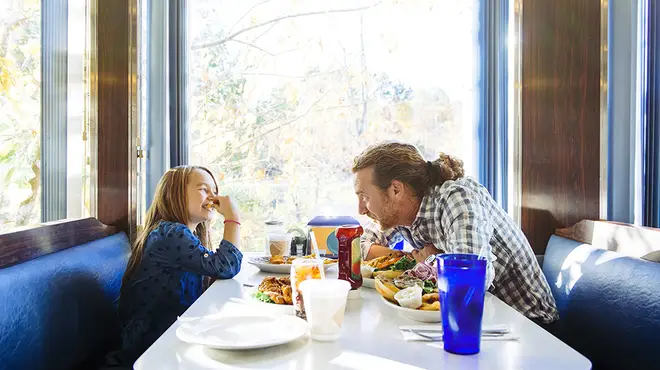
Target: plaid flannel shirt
459, 217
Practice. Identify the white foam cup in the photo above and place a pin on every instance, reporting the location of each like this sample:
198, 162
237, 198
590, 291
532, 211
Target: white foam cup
325, 304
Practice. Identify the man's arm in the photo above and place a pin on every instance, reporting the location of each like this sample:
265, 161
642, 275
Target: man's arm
376, 251
373, 243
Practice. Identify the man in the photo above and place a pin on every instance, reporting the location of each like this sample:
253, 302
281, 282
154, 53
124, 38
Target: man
438, 210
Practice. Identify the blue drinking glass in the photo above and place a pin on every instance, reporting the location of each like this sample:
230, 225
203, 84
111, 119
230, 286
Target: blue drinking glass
461, 288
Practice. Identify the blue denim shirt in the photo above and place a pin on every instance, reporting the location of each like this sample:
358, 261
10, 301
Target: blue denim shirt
167, 281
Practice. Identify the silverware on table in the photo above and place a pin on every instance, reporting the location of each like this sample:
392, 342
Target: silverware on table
438, 337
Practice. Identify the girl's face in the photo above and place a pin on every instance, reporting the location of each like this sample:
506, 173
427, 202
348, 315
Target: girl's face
200, 191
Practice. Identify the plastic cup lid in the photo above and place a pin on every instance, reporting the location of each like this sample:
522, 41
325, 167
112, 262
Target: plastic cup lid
279, 236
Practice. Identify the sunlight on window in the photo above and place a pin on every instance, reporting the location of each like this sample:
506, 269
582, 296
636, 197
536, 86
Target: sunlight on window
20, 107
285, 93
23, 113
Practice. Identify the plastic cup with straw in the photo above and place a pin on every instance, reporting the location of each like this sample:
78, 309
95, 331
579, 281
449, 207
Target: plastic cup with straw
480, 256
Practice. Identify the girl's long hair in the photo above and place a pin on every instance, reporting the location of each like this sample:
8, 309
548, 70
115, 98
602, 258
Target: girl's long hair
169, 204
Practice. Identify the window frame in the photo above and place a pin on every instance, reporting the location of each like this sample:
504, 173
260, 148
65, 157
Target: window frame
54, 92
493, 123
112, 108
651, 118
178, 82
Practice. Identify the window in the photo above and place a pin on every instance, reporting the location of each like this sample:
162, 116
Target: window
283, 95
44, 125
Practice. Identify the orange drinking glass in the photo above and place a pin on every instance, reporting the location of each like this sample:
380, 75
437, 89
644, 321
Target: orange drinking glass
303, 269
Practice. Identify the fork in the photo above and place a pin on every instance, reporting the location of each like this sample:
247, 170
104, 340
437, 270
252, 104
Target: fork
494, 334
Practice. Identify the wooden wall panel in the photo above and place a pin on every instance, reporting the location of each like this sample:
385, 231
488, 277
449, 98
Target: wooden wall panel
113, 42
560, 105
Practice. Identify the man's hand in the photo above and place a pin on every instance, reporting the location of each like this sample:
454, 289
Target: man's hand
421, 255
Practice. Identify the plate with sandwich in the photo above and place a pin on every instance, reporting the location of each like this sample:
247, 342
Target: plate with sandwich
412, 293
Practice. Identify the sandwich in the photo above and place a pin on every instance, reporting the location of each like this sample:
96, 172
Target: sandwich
391, 265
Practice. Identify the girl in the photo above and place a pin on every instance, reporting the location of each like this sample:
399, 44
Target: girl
171, 256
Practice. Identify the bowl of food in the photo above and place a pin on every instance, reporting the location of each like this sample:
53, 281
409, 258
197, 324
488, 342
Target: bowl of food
420, 315
413, 293
282, 264
273, 294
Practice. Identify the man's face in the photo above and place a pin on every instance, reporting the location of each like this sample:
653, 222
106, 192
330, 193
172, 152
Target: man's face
377, 204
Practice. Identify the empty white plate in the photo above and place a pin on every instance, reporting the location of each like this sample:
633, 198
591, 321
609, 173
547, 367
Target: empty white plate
242, 332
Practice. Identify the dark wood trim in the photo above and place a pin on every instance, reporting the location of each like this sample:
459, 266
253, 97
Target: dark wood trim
114, 82
651, 132
24, 245
560, 116
627, 239
113, 25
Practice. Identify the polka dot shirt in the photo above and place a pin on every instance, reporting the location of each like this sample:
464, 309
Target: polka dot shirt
167, 281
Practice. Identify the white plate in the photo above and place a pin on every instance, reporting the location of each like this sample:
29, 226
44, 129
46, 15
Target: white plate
269, 308
369, 283
242, 332
262, 264
416, 315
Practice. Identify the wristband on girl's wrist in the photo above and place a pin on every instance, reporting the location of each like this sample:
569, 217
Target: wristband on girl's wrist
233, 222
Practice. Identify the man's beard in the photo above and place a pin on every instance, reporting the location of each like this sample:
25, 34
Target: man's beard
388, 217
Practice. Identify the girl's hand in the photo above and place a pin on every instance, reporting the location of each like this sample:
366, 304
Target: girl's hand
226, 207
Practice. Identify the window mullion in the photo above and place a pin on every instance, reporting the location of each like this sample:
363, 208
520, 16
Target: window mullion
54, 46
178, 82
493, 93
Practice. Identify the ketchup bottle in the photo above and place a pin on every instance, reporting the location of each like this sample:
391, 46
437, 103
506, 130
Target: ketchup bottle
350, 257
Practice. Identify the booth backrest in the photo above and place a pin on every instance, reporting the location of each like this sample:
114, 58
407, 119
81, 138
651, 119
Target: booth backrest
60, 310
609, 304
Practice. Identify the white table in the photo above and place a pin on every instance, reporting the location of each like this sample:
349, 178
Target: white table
370, 340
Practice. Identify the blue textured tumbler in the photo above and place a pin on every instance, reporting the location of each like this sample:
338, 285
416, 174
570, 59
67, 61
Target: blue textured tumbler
461, 288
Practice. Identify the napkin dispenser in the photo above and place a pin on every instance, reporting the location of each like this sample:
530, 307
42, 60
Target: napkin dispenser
324, 228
